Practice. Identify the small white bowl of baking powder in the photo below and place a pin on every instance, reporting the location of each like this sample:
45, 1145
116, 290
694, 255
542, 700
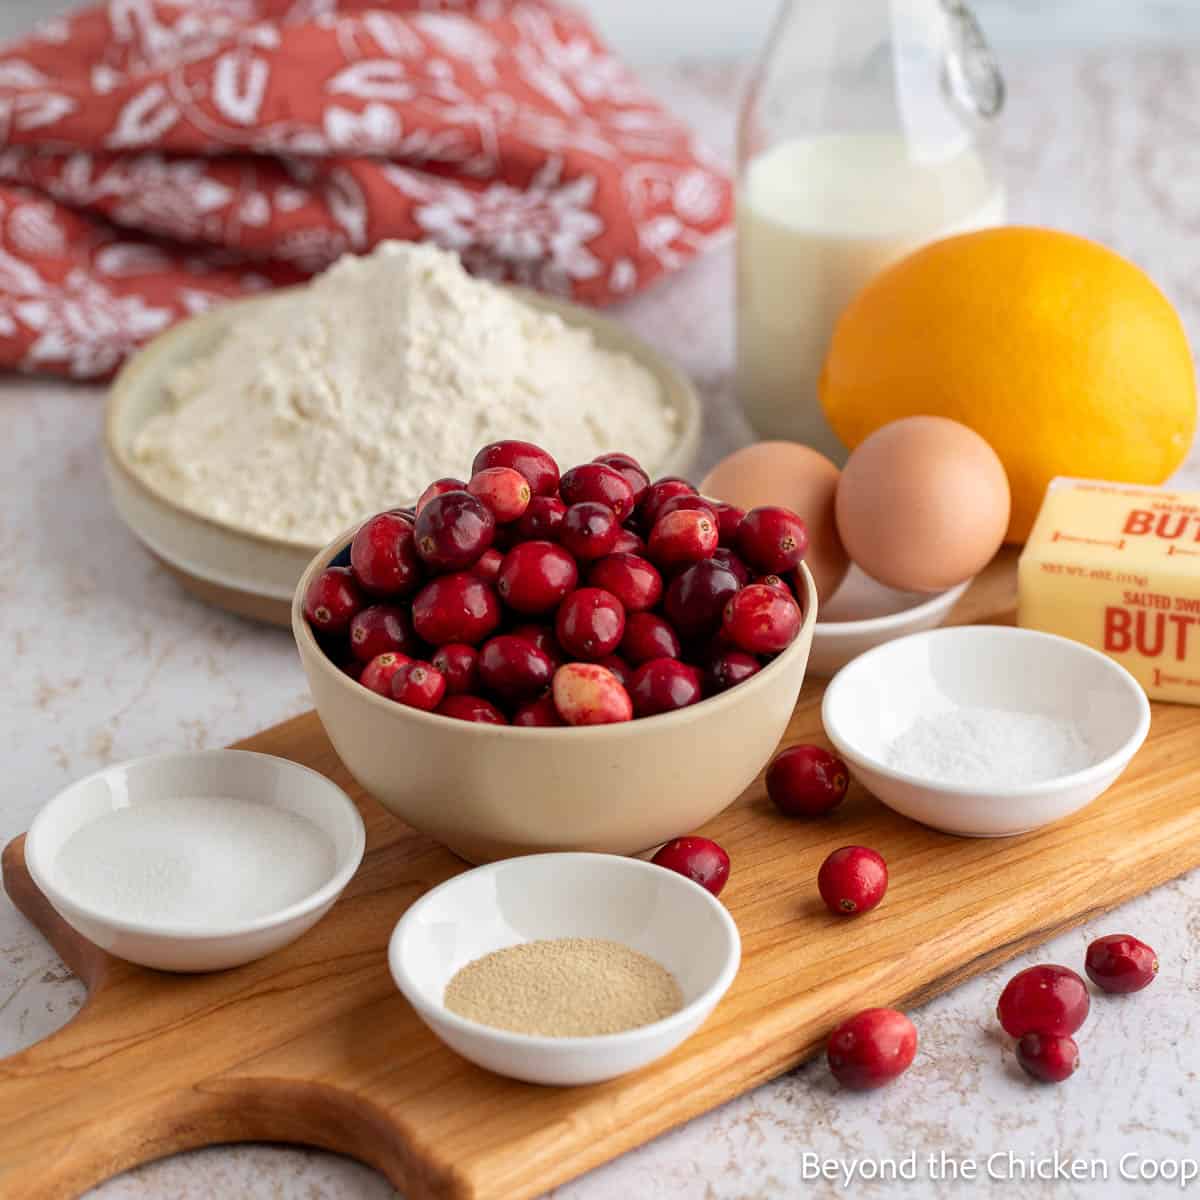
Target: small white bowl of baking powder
196, 861
986, 731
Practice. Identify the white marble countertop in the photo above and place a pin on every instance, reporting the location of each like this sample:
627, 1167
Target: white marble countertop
110, 660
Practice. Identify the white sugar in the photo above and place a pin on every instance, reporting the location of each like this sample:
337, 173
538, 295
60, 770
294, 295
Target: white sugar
990, 746
198, 862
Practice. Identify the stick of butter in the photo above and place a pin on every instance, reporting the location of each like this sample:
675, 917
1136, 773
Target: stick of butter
1117, 566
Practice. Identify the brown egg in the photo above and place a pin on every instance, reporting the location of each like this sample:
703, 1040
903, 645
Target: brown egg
796, 477
923, 504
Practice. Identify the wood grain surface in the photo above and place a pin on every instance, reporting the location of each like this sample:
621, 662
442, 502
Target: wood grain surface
314, 1045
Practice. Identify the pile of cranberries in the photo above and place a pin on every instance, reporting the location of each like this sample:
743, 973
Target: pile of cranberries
523, 597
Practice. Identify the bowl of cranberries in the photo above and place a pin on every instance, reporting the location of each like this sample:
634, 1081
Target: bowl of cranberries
530, 660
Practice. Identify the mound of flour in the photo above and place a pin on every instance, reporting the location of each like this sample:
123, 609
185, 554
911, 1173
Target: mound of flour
385, 373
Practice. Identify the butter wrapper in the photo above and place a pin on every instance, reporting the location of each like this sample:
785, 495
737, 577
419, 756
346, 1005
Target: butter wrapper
1117, 567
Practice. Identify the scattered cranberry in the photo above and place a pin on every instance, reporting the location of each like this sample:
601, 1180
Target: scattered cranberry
727, 668
540, 521
682, 537
729, 517
729, 558
1048, 1057
657, 493
380, 629
418, 685
648, 636
632, 579
630, 470
383, 556
539, 469
761, 619
871, 1048
471, 708
539, 713
697, 597
1119, 962
513, 669
459, 665
589, 530
598, 482
542, 636
453, 530
332, 599
807, 781
535, 576
628, 542
771, 539
701, 860
487, 566
852, 880
456, 608
590, 623
377, 674
587, 694
439, 487
619, 667
1049, 1000
664, 685
505, 492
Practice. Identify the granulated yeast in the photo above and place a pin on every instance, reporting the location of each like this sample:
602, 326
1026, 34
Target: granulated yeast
566, 987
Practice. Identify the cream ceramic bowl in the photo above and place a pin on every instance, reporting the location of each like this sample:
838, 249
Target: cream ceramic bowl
490, 791
657, 912
238, 774
253, 575
881, 695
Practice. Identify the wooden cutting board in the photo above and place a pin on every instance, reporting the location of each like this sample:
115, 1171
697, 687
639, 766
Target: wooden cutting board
314, 1045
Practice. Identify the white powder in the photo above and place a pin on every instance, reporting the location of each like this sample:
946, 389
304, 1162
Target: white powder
386, 372
988, 746
195, 861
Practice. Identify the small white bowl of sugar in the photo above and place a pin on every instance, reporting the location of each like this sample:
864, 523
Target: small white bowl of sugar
986, 731
196, 861
566, 968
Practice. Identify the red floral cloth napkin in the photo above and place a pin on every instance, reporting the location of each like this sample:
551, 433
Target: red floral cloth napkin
157, 156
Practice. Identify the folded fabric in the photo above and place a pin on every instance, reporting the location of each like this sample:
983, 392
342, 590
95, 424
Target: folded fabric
157, 156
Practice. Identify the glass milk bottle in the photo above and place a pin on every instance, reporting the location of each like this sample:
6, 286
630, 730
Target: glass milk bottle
859, 140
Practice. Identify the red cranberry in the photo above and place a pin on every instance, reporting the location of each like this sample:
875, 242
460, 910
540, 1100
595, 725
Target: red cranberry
384, 557
589, 530
686, 500
620, 668
807, 781
697, 597
379, 629
439, 487
1047, 1057
1119, 962
729, 517
727, 668
772, 539
456, 608
535, 576
471, 708
504, 491
487, 566
540, 521
539, 469
776, 581
648, 636
377, 674
852, 880
590, 623
633, 580
459, 665
871, 1049
761, 619
664, 685
658, 492
539, 713
628, 542
419, 685
682, 537
730, 560
1050, 1000
603, 484
332, 599
587, 694
453, 530
541, 636
630, 470
701, 860
513, 669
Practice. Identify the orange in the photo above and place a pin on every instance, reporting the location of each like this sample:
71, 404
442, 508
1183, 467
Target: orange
1060, 353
